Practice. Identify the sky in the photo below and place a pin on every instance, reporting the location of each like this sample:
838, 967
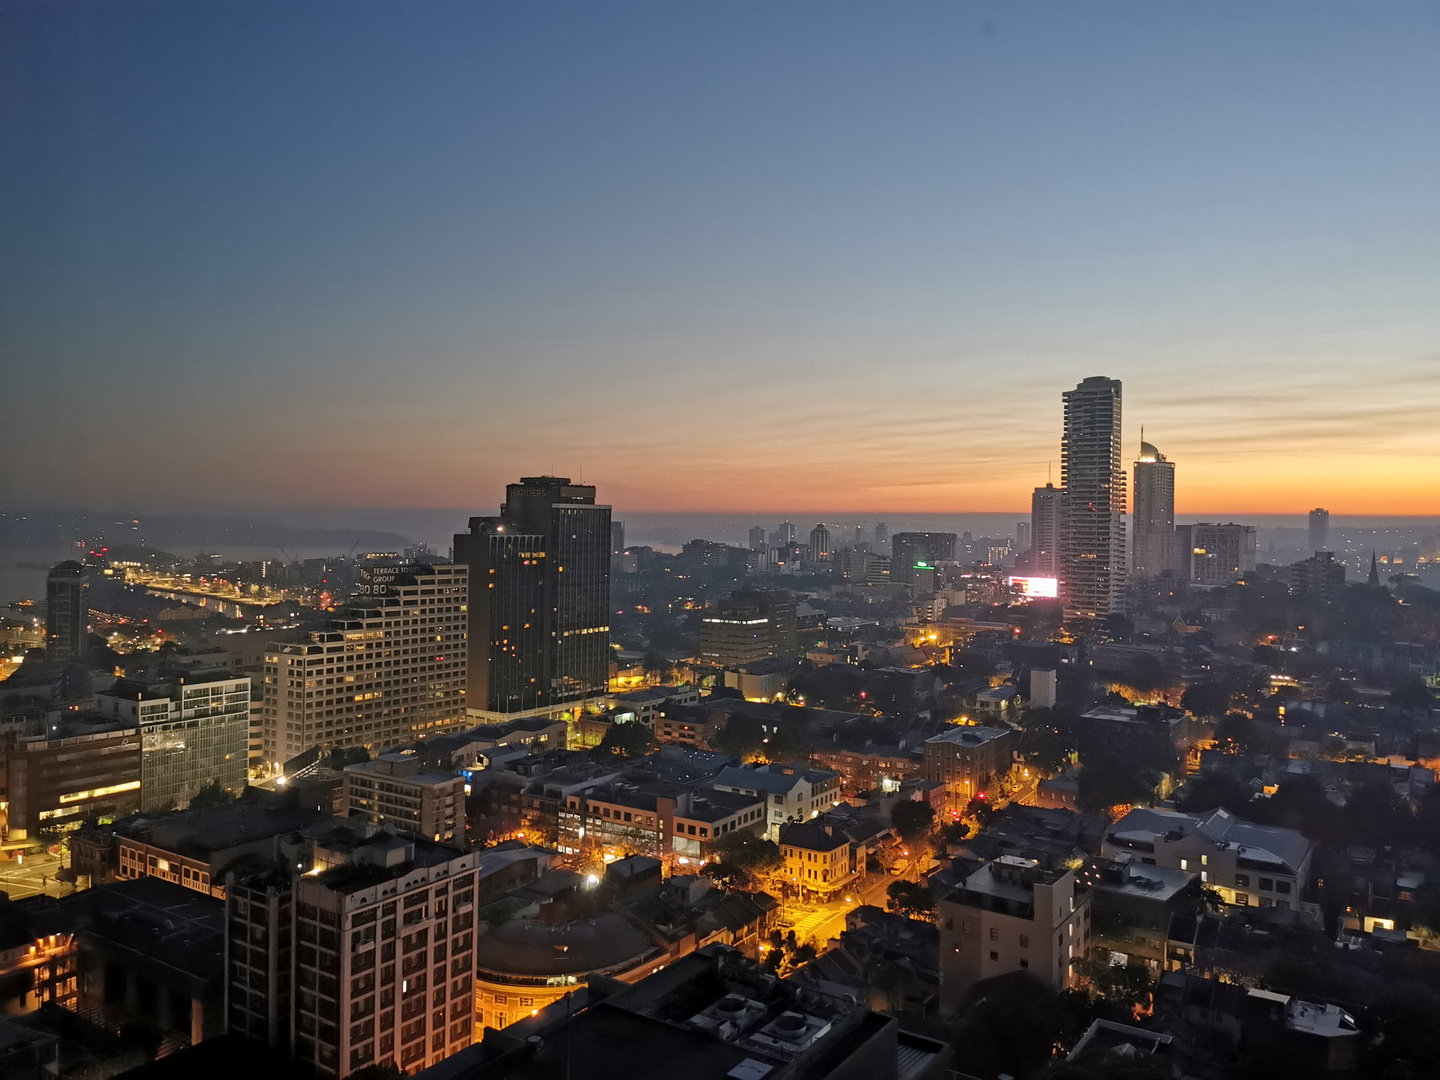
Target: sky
715, 256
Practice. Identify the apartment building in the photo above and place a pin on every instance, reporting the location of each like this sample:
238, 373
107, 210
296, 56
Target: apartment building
397, 790
381, 675
968, 759
1011, 915
367, 960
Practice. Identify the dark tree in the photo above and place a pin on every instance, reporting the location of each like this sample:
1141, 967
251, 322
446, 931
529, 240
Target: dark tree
912, 900
211, 796
630, 739
912, 819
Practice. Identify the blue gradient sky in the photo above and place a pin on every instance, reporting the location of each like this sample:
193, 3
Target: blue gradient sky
717, 256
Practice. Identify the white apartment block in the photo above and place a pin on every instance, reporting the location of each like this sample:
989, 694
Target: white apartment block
388, 673
1011, 915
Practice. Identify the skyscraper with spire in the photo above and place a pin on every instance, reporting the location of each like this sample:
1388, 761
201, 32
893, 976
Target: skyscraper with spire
1154, 513
1093, 551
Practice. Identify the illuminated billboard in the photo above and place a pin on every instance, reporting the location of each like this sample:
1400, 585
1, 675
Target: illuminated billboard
1036, 588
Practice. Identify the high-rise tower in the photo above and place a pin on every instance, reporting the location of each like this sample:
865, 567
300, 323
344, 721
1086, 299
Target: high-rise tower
1093, 551
1154, 513
65, 612
1047, 522
539, 619
1319, 530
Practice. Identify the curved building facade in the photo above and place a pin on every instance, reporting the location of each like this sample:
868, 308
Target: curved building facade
524, 965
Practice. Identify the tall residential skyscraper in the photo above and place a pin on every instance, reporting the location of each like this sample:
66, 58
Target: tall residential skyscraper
65, 612
1047, 524
1154, 514
1093, 550
1319, 530
617, 537
757, 538
882, 533
1022, 536
539, 621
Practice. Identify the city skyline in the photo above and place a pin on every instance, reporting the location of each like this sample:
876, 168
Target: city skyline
255, 252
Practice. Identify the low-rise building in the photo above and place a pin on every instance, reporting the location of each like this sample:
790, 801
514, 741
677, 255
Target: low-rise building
1134, 908
196, 848
707, 1016
1011, 915
76, 768
866, 767
1249, 865
791, 792
818, 857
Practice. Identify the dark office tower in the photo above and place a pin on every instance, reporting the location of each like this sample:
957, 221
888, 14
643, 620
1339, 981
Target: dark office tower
1319, 530
757, 538
539, 619
65, 611
1047, 524
917, 550
1093, 545
787, 532
617, 537
1154, 514
882, 533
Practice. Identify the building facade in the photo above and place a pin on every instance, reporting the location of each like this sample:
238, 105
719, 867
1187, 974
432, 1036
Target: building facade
539, 617
1093, 550
367, 961
749, 625
397, 790
1011, 915
911, 551
1249, 865
65, 612
968, 760
1215, 554
1319, 530
1154, 514
381, 675
194, 731
79, 769
1047, 530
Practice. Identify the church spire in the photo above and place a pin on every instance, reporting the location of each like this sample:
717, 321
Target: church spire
1374, 569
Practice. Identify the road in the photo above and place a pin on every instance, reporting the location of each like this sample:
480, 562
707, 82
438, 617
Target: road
31, 876
821, 922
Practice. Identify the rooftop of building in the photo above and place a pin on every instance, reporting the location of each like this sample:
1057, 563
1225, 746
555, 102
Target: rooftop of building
529, 948
1128, 877
172, 934
708, 1016
401, 765
202, 833
378, 857
1283, 848
812, 836
775, 779
1009, 877
969, 735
